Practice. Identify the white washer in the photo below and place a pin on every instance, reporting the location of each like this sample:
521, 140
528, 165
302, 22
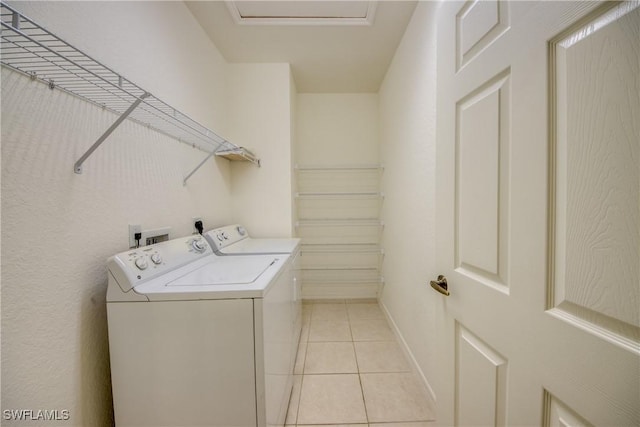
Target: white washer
198, 339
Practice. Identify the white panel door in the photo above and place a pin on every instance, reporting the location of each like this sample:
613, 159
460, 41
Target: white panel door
538, 213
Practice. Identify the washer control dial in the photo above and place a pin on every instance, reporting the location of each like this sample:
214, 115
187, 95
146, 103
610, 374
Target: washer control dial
141, 263
199, 245
156, 259
241, 230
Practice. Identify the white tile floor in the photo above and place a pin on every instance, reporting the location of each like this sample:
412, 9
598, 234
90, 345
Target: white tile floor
350, 371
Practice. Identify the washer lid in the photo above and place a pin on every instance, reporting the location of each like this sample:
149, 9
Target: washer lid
252, 245
226, 271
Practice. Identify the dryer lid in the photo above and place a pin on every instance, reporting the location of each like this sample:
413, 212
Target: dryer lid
263, 246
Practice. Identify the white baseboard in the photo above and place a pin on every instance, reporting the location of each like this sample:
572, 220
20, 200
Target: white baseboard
409, 354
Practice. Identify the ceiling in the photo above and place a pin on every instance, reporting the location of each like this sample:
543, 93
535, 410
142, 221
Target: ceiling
332, 46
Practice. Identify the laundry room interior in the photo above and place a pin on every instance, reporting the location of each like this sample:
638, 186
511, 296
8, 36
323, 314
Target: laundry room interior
348, 163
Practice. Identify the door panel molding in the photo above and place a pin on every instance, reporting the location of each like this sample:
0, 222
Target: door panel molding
482, 147
478, 25
481, 381
557, 414
594, 192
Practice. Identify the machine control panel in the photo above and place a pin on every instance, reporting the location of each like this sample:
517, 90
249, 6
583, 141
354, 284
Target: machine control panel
225, 236
138, 265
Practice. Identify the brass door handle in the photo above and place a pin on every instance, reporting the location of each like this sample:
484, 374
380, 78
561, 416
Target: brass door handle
440, 285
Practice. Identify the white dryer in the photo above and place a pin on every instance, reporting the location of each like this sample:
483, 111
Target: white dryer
235, 241
194, 338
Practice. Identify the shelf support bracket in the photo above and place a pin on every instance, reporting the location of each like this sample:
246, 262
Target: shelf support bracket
198, 167
77, 167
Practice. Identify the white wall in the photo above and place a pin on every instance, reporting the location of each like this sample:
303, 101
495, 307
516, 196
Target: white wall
58, 228
407, 149
337, 129
259, 111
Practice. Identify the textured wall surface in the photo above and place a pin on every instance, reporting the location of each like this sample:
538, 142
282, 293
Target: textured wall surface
408, 150
259, 111
337, 129
58, 228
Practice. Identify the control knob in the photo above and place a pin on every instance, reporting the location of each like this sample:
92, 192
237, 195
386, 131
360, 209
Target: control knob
156, 259
141, 263
241, 230
199, 245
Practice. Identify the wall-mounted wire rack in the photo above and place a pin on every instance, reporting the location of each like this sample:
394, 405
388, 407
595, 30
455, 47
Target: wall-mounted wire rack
338, 209
28, 48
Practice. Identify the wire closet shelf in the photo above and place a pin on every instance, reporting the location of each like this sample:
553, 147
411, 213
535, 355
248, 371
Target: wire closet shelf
28, 48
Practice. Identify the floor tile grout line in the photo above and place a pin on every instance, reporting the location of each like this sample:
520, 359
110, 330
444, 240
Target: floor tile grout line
304, 362
355, 355
353, 342
299, 399
364, 401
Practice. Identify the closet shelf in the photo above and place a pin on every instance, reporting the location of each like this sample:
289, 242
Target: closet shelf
338, 209
344, 222
347, 248
339, 167
319, 281
239, 154
340, 268
338, 194
30, 49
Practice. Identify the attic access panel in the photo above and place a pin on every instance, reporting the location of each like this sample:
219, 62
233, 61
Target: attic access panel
302, 13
